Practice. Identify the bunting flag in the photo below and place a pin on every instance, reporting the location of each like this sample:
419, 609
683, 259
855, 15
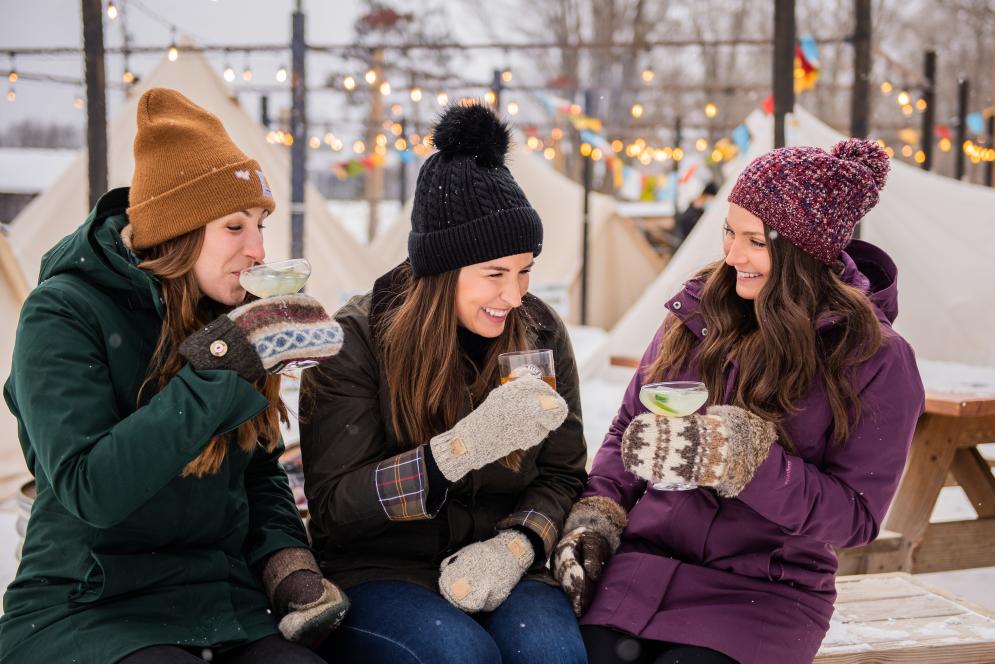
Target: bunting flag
572, 112
975, 123
741, 136
942, 132
354, 167
768, 105
806, 64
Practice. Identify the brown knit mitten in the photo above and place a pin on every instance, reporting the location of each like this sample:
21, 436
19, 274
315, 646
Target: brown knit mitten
592, 535
310, 605
721, 449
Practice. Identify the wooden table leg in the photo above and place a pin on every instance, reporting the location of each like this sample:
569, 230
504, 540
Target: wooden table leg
974, 475
932, 454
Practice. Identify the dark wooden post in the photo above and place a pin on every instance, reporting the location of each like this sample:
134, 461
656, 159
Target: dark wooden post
96, 98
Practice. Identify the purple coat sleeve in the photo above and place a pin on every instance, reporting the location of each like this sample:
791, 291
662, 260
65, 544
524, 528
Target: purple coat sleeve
843, 501
608, 477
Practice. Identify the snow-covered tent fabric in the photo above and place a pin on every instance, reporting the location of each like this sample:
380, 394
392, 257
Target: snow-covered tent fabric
341, 266
938, 231
13, 290
622, 263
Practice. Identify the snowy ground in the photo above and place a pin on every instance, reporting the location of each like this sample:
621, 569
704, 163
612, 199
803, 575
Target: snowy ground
600, 399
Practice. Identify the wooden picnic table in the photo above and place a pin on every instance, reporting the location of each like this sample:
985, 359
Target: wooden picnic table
944, 448
944, 451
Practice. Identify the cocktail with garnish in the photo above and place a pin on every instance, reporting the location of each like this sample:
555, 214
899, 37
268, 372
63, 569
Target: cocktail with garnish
673, 399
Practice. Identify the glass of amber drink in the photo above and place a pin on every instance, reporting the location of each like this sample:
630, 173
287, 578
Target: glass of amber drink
538, 363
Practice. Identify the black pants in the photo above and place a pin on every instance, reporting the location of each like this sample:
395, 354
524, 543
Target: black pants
606, 646
270, 650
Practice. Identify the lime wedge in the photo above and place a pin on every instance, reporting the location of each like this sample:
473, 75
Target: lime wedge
661, 402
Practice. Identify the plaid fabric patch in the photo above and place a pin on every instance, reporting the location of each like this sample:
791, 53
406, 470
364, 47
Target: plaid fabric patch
535, 521
402, 486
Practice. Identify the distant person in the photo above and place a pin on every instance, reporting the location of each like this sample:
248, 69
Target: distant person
716, 529
435, 495
686, 220
148, 411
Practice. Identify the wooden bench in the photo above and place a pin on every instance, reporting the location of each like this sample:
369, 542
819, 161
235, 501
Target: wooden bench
887, 618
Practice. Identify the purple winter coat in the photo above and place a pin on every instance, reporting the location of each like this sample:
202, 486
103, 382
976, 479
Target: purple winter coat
754, 576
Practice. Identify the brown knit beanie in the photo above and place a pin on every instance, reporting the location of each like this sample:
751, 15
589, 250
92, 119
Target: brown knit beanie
188, 172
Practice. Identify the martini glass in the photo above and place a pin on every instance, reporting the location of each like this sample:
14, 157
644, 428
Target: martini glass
673, 399
279, 278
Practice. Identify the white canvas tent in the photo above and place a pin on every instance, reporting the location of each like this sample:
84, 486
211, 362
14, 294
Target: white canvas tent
622, 262
13, 290
938, 230
341, 265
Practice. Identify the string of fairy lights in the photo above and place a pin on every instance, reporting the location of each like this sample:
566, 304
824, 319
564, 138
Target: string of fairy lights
394, 135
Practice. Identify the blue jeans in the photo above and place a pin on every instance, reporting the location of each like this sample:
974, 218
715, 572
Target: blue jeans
403, 623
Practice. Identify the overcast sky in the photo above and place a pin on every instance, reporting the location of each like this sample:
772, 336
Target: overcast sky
28, 23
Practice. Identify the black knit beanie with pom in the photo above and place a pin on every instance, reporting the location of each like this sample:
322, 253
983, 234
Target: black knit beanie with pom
468, 208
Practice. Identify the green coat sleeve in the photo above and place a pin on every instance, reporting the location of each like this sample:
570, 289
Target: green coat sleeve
102, 463
274, 522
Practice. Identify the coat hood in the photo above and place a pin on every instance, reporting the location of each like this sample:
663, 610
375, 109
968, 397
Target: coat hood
95, 253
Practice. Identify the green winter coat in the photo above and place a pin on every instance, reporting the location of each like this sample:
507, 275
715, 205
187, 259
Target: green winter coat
121, 553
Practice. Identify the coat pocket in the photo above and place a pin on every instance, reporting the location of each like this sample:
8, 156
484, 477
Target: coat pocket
112, 575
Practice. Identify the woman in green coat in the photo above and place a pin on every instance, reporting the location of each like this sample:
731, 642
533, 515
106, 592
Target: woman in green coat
164, 528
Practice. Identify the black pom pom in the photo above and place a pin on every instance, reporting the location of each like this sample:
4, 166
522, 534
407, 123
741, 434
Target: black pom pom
472, 130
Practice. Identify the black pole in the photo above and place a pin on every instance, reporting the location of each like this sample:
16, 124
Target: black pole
96, 99
264, 110
989, 170
784, 65
403, 165
298, 129
585, 237
962, 90
860, 98
676, 165
928, 96
497, 85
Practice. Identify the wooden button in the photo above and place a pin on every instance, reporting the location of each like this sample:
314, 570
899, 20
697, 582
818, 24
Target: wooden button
219, 348
549, 402
460, 588
457, 447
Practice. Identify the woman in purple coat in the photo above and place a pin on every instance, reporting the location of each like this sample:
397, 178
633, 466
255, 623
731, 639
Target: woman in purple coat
813, 399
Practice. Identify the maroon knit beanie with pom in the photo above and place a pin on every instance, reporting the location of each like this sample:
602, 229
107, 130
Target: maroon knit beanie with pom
811, 197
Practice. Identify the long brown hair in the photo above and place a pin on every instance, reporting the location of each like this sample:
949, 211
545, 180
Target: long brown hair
426, 372
187, 310
774, 338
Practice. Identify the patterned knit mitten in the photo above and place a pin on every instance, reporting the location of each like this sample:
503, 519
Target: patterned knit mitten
721, 449
481, 575
265, 335
516, 416
592, 535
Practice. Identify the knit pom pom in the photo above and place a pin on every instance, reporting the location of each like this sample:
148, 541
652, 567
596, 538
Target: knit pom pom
867, 153
472, 130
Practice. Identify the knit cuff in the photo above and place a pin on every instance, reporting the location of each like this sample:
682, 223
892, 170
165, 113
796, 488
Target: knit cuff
285, 562
601, 515
534, 522
749, 441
